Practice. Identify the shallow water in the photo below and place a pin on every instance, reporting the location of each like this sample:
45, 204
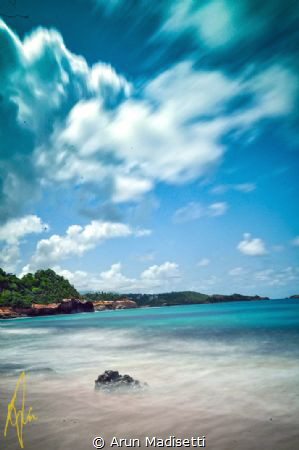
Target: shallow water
229, 372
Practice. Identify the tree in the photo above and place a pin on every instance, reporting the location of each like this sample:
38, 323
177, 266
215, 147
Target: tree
45, 286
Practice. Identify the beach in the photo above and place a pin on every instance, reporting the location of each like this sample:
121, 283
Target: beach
218, 371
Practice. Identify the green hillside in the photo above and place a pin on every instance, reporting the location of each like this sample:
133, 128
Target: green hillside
45, 286
170, 298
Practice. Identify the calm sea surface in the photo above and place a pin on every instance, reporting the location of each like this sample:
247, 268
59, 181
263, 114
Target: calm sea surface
228, 371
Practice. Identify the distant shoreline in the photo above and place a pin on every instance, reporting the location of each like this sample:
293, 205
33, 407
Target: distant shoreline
7, 313
46, 293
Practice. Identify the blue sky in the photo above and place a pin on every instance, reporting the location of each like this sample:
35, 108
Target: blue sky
151, 147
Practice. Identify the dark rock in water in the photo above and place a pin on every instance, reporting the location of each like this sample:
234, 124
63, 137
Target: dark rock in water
111, 379
73, 305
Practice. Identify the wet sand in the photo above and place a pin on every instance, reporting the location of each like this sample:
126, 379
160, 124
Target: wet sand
70, 414
213, 371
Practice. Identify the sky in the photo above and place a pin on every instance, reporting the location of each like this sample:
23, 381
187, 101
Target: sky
151, 146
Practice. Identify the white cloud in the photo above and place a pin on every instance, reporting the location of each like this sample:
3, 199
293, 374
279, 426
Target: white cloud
203, 262
220, 189
237, 272
149, 256
252, 246
278, 277
79, 278
191, 211
156, 277
217, 209
9, 257
130, 188
76, 241
30, 70
167, 270
295, 241
140, 143
242, 187
143, 232
113, 279
265, 275
245, 187
215, 24
101, 132
13, 230
194, 210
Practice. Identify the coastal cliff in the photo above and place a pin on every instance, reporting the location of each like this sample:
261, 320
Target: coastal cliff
121, 303
46, 293
67, 306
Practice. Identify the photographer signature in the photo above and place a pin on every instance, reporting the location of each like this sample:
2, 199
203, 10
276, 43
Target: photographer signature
17, 418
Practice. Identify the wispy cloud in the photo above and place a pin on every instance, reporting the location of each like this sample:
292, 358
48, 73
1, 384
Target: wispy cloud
278, 277
101, 131
191, 211
194, 210
242, 187
295, 241
237, 272
217, 209
203, 262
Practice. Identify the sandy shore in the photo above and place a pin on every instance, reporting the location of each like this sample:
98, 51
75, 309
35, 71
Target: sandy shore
70, 414
236, 385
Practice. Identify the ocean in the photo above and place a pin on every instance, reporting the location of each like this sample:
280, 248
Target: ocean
228, 371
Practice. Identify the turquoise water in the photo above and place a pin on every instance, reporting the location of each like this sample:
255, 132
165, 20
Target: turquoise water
249, 327
228, 371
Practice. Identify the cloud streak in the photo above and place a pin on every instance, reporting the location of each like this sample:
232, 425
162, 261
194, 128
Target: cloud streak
194, 211
295, 241
97, 130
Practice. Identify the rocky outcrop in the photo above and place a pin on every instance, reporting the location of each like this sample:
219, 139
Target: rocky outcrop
71, 306
102, 305
112, 380
67, 306
7, 313
235, 298
122, 303
294, 296
125, 303
43, 310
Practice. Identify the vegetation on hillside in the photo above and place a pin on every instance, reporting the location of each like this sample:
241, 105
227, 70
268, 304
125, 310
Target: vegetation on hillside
101, 296
45, 286
170, 298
